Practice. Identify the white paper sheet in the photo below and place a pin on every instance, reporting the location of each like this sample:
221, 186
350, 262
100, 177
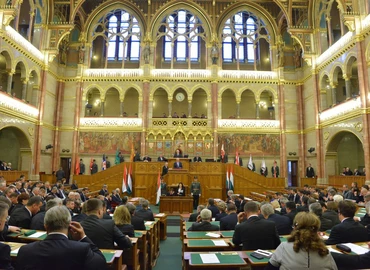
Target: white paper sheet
220, 243
36, 234
148, 223
15, 251
159, 215
213, 235
209, 258
325, 237
357, 249
333, 250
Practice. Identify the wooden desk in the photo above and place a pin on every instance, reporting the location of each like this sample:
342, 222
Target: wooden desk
113, 257
207, 245
176, 176
143, 248
228, 260
188, 224
12, 176
185, 163
131, 256
162, 225
175, 205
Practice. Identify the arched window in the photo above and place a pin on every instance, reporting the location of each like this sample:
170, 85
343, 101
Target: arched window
181, 31
239, 38
123, 35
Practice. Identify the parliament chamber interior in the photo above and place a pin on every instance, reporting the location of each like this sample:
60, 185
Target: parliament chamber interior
244, 103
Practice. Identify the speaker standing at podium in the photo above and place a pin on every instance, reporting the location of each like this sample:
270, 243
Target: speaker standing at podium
195, 191
177, 164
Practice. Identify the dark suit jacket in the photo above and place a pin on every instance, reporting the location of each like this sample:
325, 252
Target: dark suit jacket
193, 217
326, 224
177, 165
277, 171
197, 159
291, 216
240, 161
365, 220
310, 172
282, 223
347, 262
303, 208
203, 226
228, 222
224, 160
127, 229
74, 186
256, 233
37, 222
332, 215
162, 159
220, 215
59, 253
79, 217
349, 231
103, 232
147, 215
181, 192
214, 210
20, 218
164, 170
138, 223
5, 260
103, 191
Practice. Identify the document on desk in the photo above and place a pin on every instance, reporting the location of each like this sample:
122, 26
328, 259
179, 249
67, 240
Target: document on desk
334, 250
148, 223
36, 234
213, 235
159, 215
15, 251
325, 237
357, 249
209, 258
220, 243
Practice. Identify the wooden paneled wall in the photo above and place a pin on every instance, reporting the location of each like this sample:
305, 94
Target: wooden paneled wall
12, 176
339, 180
211, 175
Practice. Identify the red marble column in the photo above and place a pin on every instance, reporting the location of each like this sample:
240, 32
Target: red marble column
214, 100
320, 152
38, 129
145, 114
363, 82
75, 140
283, 157
300, 127
57, 123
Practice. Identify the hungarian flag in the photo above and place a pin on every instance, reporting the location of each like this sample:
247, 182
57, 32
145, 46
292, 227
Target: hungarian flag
77, 168
227, 178
91, 163
237, 158
158, 188
231, 183
124, 179
129, 181
222, 152
104, 164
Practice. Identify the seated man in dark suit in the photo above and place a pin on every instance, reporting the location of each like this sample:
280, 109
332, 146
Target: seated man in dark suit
213, 207
348, 262
22, 217
326, 224
197, 158
56, 251
282, 222
103, 190
291, 211
194, 217
161, 158
5, 260
177, 164
37, 222
253, 232
348, 231
145, 213
229, 222
205, 222
103, 232
137, 222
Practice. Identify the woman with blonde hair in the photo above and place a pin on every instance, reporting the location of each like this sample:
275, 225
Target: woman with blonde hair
122, 219
304, 248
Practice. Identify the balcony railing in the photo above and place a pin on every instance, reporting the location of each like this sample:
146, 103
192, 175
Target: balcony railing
341, 109
22, 42
180, 122
110, 122
333, 49
244, 123
248, 75
93, 72
14, 104
181, 73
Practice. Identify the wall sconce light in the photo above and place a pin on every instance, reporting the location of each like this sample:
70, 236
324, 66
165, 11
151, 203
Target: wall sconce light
49, 146
312, 149
65, 150
292, 153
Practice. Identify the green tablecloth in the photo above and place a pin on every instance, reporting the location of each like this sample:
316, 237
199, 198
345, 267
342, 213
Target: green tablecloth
223, 257
108, 256
255, 260
227, 234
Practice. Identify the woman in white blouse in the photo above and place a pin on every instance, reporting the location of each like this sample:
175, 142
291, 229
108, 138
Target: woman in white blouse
180, 189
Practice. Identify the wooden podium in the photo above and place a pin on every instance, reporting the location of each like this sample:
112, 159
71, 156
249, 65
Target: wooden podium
176, 205
175, 176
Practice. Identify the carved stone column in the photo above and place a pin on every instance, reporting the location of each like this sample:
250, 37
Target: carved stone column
24, 88
214, 106
328, 19
189, 108
300, 126
333, 93
58, 112
283, 157
9, 82
170, 108
238, 109
257, 109
348, 86
102, 102
121, 107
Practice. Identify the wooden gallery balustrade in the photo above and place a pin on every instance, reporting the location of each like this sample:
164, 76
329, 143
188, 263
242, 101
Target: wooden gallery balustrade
211, 175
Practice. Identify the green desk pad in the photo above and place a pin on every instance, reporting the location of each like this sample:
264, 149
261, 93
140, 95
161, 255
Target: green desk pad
199, 235
227, 234
283, 238
108, 255
188, 224
255, 260
223, 257
360, 214
203, 243
138, 234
